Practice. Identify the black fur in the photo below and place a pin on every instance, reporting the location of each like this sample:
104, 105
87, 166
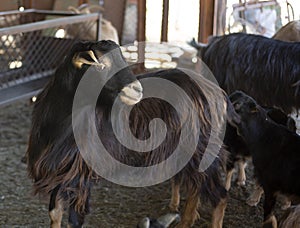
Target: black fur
274, 150
236, 146
266, 69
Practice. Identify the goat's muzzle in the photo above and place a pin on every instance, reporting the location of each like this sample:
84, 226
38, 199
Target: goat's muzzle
132, 93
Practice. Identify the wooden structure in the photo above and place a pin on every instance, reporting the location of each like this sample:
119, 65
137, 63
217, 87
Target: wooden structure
210, 22
207, 20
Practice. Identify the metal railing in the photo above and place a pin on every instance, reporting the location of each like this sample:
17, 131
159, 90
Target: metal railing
33, 43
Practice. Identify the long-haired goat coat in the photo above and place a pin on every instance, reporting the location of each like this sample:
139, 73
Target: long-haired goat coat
57, 166
266, 69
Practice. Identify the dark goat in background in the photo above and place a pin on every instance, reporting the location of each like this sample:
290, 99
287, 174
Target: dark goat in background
274, 150
57, 166
238, 150
266, 69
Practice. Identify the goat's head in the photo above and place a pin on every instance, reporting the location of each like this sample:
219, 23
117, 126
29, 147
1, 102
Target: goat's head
247, 109
104, 61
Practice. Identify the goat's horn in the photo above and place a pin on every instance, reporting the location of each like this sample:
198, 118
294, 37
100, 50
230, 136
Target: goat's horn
78, 61
92, 55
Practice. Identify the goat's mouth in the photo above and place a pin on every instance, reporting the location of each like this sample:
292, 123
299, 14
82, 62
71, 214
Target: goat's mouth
132, 93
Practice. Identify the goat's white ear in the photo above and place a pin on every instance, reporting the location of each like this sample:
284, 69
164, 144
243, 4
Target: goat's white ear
80, 58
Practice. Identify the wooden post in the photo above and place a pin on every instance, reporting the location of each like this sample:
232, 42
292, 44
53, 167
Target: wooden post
164, 23
219, 17
141, 34
206, 20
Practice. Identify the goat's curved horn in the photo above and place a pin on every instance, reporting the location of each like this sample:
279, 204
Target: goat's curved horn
78, 61
168, 219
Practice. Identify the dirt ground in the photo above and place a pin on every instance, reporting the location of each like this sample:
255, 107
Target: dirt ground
112, 205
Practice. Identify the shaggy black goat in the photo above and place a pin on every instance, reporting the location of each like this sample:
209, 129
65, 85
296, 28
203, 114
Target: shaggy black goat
266, 69
274, 150
238, 151
55, 162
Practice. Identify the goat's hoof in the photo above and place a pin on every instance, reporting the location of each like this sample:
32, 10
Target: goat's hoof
252, 202
241, 182
174, 208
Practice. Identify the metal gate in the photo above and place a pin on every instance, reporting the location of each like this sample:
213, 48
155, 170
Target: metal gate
33, 43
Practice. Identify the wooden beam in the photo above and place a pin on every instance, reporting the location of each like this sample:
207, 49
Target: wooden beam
206, 20
115, 13
219, 17
141, 34
165, 23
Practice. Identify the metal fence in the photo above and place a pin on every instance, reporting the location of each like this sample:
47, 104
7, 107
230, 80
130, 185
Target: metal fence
33, 43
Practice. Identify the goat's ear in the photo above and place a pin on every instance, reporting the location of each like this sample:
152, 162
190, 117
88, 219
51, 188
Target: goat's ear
86, 57
237, 105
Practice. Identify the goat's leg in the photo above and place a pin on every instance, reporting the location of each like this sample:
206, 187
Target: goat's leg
55, 209
190, 213
228, 178
76, 218
218, 213
269, 218
241, 181
175, 198
255, 196
229, 170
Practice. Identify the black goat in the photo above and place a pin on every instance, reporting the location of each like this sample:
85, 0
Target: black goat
266, 69
274, 151
55, 162
238, 151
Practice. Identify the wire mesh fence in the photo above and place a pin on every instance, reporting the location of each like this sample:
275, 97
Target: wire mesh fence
33, 43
